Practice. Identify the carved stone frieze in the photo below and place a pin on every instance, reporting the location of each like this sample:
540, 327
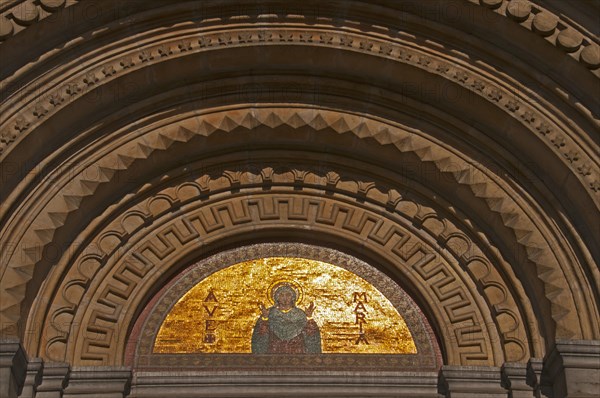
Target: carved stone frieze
111, 296
507, 318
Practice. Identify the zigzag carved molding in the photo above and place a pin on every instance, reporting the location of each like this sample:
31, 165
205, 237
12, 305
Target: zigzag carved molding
85, 183
26, 115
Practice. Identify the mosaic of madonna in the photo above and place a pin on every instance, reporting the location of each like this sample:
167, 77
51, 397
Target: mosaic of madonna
282, 305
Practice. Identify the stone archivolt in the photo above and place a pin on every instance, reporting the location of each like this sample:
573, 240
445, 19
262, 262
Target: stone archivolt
188, 218
571, 38
86, 182
466, 166
30, 113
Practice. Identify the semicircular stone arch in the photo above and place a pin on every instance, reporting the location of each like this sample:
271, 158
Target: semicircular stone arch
163, 138
507, 315
452, 144
85, 341
534, 243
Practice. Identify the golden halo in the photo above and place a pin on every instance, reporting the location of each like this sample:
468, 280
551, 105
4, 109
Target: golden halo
279, 282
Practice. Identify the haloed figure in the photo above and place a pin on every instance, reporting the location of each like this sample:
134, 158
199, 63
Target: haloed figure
285, 328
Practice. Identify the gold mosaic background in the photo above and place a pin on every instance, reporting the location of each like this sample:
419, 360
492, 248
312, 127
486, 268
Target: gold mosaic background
222, 322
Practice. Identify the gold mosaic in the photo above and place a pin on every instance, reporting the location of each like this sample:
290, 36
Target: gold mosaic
284, 305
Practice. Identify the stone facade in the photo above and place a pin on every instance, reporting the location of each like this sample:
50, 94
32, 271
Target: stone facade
452, 145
